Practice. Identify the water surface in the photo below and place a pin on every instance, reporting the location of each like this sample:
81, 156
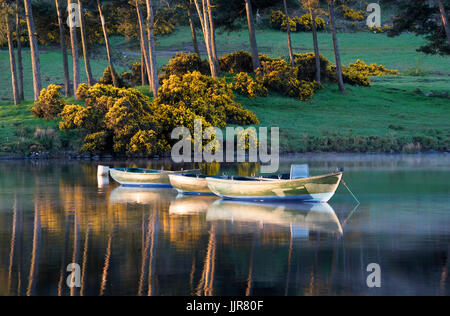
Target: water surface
153, 242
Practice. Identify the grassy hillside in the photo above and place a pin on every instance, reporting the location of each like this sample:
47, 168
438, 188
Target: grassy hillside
393, 110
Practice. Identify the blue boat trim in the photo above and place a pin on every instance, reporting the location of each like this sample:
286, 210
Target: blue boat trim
187, 193
313, 198
153, 185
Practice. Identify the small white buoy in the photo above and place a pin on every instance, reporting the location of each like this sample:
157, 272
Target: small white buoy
102, 171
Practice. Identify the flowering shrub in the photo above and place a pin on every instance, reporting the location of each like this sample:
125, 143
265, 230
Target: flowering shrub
175, 14
372, 69
246, 85
96, 142
304, 23
133, 77
110, 117
50, 103
278, 21
359, 73
145, 142
277, 18
106, 79
306, 64
353, 15
247, 139
183, 63
307, 89
350, 76
236, 62
163, 27
292, 25
278, 76
382, 29
124, 121
205, 96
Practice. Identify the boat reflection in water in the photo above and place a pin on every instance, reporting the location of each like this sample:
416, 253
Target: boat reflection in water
301, 218
122, 195
191, 205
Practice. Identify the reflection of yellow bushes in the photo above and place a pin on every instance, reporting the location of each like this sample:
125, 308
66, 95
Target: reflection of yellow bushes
248, 169
184, 232
210, 168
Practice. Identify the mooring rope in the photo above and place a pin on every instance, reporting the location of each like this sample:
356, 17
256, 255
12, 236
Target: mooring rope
356, 199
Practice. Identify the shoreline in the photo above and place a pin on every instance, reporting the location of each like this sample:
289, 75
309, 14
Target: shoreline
284, 156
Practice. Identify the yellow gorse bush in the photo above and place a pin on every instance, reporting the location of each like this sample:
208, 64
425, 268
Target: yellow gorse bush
304, 23
163, 27
297, 24
353, 15
359, 73
50, 103
278, 76
125, 121
382, 29
183, 63
236, 62
205, 96
244, 84
372, 69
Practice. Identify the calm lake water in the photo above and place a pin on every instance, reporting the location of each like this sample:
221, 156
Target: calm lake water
151, 242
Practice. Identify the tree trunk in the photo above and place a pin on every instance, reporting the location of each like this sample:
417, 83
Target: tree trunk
84, 43
36, 64
12, 60
251, 31
63, 50
316, 44
75, 61
192, 25
144, 80
288, 31
213, 36
444, 20
208, 40
108, 48
151, 48
336, 48
19, 52
144, 44
203, 16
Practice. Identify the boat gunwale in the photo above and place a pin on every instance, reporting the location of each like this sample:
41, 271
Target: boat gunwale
155, 172
275, 181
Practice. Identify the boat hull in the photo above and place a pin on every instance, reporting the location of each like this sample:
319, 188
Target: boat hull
143, 196
314, 189
144, 180
190, 185
315, 217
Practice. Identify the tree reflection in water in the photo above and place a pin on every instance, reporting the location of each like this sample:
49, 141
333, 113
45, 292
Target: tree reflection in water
151, 242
